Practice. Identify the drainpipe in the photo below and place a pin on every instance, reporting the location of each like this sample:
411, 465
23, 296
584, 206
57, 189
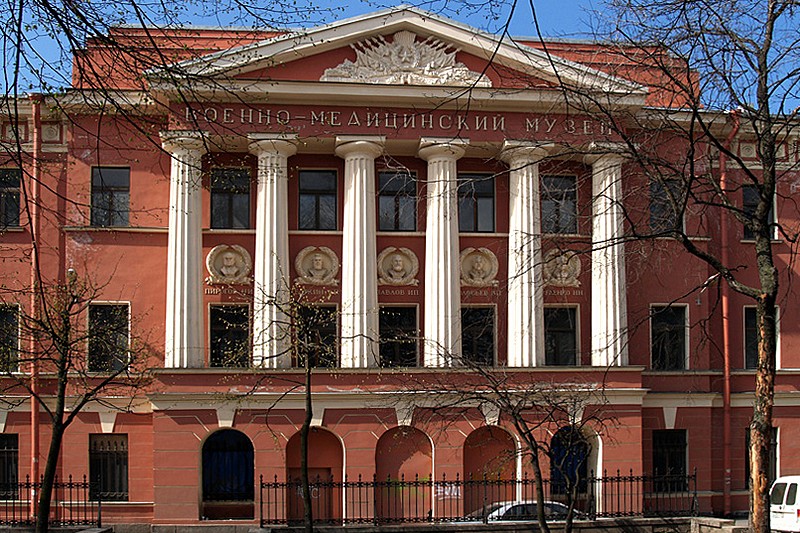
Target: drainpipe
726, 328
35, 229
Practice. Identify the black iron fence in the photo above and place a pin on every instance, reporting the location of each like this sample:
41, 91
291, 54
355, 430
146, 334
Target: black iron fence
401, 500
70, 504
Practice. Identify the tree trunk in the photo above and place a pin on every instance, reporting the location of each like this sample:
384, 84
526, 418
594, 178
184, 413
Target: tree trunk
48, 479
308, 517
761, 426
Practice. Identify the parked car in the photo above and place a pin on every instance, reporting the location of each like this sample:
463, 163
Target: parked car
522, 511
784, 505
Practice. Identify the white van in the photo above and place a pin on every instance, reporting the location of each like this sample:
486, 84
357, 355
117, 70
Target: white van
784, 508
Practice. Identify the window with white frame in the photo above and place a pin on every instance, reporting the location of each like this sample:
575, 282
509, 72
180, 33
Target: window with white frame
230, 335
230, 198
9, 466
560, 336
108, 467
9, 197
316, 331
110, 196
9, 337
665, 206
559, 204
397, 201
477, 335
109, 332
751, 197
398, 336
668, 331
669, 460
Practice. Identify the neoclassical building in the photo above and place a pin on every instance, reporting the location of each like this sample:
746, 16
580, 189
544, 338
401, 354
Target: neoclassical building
403, 203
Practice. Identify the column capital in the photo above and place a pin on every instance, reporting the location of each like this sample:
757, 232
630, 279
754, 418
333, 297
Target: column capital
528, 151
605, 154
367, 145
442, 147
279, 143
173, 141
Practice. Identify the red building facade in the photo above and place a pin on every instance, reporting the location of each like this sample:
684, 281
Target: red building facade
418, 199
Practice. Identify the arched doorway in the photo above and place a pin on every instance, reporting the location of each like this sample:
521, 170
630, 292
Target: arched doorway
228, 476
489, 456
403, 457
325, 467
569, 466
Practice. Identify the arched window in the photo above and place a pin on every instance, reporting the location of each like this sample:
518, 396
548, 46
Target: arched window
227, 471
569, 457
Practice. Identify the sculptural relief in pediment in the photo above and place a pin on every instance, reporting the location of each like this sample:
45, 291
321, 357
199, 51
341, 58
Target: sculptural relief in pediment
405, 61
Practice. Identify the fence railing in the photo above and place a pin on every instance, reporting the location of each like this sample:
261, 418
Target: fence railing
458, 500
70, 504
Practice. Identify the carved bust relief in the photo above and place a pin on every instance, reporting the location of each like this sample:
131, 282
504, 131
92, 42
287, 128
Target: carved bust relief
228, 264
562, 268
317, 265
405, 61
479, 267
397, 266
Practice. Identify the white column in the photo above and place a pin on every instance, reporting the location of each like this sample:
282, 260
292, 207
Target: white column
525, 283
184, 346
609, 307
271, 328
442, 271
359, 311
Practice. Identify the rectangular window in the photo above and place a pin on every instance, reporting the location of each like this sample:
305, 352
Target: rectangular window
316, 330
560, 336
668, 337
230, 336
398, 334
230, 198
559, 205
9, 338
9, 465
108, 337
477, 335
750, 199
475, 203
669, 460
317, 209
772, 467
110, 196
665, 206
108, 467
397, 201
9, 197
750, 338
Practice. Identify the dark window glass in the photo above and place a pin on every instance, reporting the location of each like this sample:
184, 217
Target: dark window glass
230, 335
665, 206
397, 201
108, 337
9, 337
316, 331
110, 196
559, 204
778, 491
669, 460
750, 338
791, 494
9, 197
668, 337
9, 465
398, 333
228, 467
230, 198
560, 336
569, 458
108, 467
475, 203
477, 335
772, 467
317, 199
750, 199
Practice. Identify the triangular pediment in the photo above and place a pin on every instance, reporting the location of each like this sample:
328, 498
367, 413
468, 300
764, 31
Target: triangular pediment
403, 46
